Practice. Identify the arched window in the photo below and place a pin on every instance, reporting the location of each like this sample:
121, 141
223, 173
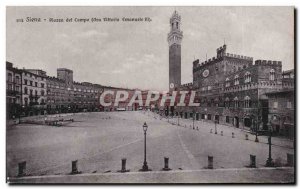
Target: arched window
216, 101
236, 80
9, 77
236, 102
247, 77
247, 102
17, 79
272, 74
209, 101
25, 90
26, 101
227, 82
212, 102
42, 92
227, 102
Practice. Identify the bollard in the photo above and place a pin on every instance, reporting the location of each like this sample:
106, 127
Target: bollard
22, 169
210, 162
123, 169
290, 160
123, 165
221, 133
246, 137
232, 135
210, 130
166, 168
74, 167
252, 161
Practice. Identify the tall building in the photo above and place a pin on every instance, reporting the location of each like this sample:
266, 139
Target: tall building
13, 91
57, 95
65, 75
232, 89
87, 96
34, 88
174, 40
66, 95
282, 111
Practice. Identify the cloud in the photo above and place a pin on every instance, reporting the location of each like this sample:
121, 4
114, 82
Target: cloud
136, 54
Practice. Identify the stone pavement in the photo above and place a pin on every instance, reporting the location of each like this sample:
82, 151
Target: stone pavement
227, 130
100, 140
242, 175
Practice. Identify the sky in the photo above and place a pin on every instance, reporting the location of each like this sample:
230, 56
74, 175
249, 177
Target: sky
135, 54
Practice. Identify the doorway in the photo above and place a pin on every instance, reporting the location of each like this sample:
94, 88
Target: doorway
247, 122
236, 122
217, 119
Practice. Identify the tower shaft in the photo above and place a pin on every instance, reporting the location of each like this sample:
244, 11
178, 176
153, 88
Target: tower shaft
174, 40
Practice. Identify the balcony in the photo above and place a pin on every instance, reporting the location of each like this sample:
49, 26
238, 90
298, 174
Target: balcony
34, 97
40, 106
12, 93
37, 105
33, 103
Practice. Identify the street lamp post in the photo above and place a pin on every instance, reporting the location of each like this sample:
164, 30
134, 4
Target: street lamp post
145, 166
168, 114
257, 122
193, 120
216, 127
270, 162
256, 131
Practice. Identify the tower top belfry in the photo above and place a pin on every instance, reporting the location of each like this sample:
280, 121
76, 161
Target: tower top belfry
175, 35
175, 17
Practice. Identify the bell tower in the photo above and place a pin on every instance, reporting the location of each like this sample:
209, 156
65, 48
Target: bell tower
174, 40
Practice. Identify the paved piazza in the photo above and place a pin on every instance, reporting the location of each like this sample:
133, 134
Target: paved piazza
100, 140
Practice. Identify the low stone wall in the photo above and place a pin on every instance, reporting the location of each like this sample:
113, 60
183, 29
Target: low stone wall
12, 122
46, 119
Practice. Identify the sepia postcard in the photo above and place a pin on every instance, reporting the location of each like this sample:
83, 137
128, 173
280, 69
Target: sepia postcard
150, 95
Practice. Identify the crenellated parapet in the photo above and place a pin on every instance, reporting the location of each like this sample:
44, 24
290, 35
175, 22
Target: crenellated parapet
268, 63
238, 56
221, 51
197, 64
222, 48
